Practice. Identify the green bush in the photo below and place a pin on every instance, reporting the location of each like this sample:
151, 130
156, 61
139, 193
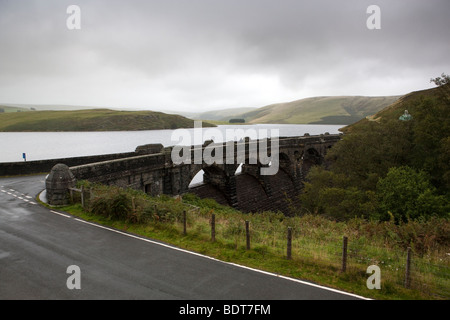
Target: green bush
408, 194
116, 205
120, 206
100, 206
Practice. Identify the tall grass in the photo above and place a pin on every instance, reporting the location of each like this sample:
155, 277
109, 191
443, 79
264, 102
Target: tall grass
316, 241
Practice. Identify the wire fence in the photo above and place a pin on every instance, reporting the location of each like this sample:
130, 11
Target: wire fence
274, 234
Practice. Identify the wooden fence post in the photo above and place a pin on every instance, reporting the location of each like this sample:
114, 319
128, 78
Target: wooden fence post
213, 227
344, 254
247, 234
289, 243
408, 269
184, 222
82, 197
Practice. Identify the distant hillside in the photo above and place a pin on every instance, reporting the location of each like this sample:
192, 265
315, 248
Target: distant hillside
92, 120
320, 110
9, 108
41, 107
397, 108
221, 115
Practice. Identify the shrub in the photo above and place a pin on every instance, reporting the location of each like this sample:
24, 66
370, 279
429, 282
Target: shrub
120, 206
100, 206
116, 205
408, 194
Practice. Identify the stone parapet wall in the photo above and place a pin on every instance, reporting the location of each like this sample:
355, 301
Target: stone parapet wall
45, 166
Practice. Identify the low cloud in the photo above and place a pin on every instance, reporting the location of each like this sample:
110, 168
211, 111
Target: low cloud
203, 54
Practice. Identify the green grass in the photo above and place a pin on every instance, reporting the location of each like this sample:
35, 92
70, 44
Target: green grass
321, 110
92, 120
223, 122
394, 110
316, 247
9, 109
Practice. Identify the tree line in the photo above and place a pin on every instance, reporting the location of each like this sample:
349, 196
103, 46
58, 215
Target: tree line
389, 169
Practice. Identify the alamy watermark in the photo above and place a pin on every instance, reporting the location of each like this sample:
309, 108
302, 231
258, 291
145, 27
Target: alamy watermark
374, 20
74, 280
374, 281
255, 150
73, 22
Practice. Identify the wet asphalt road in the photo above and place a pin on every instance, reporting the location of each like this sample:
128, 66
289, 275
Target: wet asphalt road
37, 245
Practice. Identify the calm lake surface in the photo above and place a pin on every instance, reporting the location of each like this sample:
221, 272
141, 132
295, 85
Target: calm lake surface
53, 145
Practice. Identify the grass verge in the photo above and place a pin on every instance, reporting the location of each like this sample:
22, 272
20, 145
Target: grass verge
316, 244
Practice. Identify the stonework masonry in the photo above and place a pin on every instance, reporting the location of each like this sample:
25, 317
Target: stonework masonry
151, 170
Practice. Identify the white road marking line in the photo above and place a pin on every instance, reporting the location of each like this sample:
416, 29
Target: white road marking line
229, 263
28, 197
201, 255
59, 213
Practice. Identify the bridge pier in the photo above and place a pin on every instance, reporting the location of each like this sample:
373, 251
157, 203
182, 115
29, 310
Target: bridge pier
224, 179
255, 171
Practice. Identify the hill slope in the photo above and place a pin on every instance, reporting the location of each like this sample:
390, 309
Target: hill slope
388, 167
411, 102
320, 110
92, 120
9, 108
221, 115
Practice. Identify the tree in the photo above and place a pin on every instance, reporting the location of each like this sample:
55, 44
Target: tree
431, 130
332, 195
408, 194
367, 154
442, 80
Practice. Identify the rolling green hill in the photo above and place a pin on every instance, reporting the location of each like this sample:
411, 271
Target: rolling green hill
8, 108
320, 110
220, 115
393, 111
92, 120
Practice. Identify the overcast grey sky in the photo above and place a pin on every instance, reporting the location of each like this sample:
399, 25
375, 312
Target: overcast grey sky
198, 55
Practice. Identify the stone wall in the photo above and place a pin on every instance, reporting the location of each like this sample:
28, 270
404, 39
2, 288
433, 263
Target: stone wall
44, 166
136, 172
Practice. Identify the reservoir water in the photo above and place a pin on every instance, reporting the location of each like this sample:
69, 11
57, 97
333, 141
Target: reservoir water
53, 145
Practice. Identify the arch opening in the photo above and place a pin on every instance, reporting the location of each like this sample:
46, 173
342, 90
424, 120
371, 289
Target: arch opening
197, 180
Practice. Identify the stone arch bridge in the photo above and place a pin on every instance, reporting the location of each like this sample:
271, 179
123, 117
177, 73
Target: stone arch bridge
153, 171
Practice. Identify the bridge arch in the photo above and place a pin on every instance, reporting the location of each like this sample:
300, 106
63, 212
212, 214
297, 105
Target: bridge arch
196, 179
310, 158
285, 162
